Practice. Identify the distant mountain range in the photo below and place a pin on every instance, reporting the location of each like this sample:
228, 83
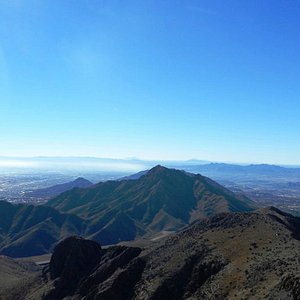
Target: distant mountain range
99, 169
131, 165
50, 192
221, 171
85, 164
163, 200
251, 255
237, 173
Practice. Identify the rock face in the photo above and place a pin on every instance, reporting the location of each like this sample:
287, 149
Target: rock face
73, 256
72, 259
81, 267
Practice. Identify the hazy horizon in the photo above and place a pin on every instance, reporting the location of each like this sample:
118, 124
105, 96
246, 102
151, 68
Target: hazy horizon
89, 163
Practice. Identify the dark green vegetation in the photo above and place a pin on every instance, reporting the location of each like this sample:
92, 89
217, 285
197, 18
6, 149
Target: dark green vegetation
250, 255
163, 200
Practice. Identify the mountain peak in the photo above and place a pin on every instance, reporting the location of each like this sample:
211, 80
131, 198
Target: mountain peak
160, 172
82, 180
158, 168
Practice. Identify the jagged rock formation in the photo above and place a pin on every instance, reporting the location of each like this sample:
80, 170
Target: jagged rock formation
80, 267
73, 256
72, 260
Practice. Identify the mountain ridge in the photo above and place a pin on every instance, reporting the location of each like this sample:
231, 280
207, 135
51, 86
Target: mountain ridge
161, 199
55, 190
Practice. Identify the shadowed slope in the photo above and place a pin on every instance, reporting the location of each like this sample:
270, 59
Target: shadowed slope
28, 230
53, 191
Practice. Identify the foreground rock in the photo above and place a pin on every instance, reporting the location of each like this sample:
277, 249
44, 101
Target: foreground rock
71, 261
80, 267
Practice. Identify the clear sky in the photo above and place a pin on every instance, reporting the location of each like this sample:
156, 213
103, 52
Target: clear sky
216, 80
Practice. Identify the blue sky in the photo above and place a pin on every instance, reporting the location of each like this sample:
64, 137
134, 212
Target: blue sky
215, 80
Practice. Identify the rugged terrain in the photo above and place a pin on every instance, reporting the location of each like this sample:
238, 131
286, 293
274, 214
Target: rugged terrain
250, 255
160, 202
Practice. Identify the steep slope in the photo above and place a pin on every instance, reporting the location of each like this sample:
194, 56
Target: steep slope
16, 276
27, 230
135, 176
161, 200
53, 191
229, 256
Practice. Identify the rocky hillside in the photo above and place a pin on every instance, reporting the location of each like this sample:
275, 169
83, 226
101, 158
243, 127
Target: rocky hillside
230, 256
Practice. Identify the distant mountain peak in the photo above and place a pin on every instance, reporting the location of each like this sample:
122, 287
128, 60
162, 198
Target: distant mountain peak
158, 168
53, 191
160, 172
157, 171
81, 179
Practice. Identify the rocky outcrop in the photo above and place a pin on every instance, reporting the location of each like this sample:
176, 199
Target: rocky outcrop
71, 261
73, 257
80, 267
119, 267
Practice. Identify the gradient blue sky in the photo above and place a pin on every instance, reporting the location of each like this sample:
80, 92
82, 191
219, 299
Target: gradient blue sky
215, 80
